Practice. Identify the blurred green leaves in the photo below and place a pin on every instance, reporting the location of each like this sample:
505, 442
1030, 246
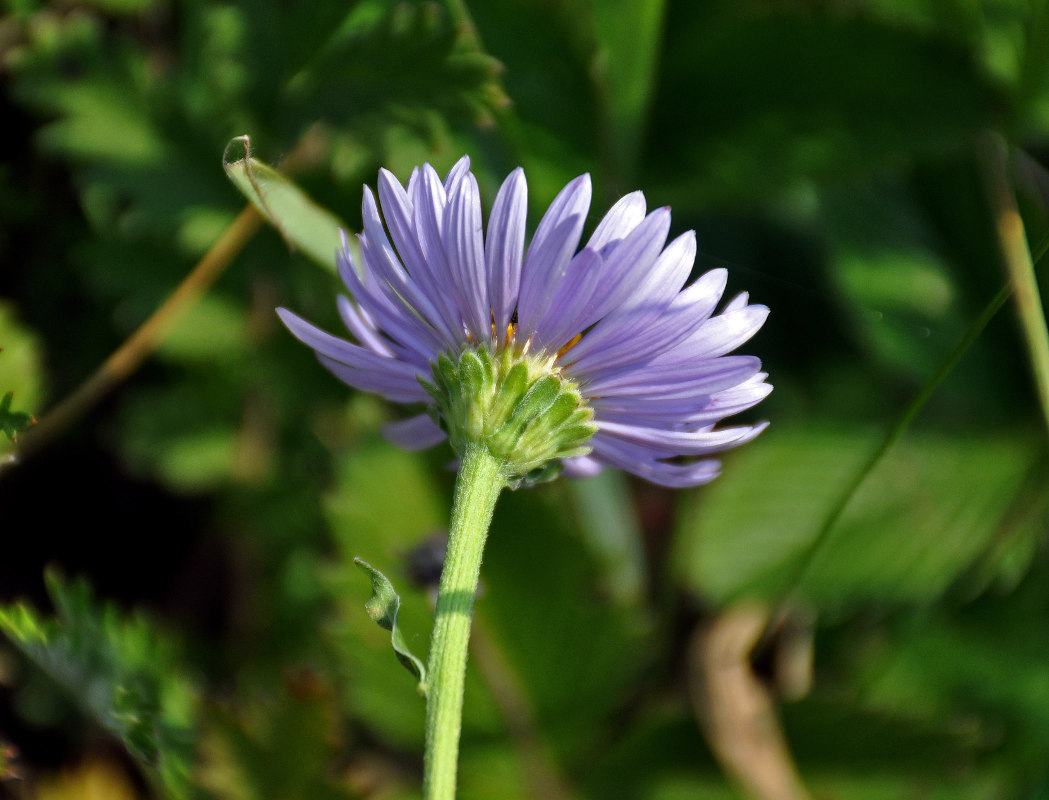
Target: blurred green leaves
21, 374
12, 422
934, 510
382, 502
124, 676
826, 97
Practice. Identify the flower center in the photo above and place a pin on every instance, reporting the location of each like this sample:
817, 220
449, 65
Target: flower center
521, 406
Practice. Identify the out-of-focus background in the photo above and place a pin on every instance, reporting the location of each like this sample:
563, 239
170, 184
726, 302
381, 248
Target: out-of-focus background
846, 161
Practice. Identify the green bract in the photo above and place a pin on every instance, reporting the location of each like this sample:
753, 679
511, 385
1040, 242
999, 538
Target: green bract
528, 414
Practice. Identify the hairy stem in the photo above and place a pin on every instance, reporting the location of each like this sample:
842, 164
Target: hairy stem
477, 488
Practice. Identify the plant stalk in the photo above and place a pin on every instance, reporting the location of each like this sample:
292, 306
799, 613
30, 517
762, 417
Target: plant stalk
477, 488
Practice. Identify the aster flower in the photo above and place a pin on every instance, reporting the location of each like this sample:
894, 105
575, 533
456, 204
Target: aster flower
530, 362
611, 321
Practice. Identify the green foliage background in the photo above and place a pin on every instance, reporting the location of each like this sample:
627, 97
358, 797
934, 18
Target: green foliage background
833, 156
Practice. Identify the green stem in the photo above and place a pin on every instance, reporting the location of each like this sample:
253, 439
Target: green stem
477, 488
1012, 241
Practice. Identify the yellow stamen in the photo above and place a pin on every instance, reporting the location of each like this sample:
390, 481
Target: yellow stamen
572, 343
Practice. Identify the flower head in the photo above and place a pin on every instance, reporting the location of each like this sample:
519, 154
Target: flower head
636, 367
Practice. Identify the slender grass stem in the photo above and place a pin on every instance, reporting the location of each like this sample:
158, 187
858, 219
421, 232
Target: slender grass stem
140, 345
1012, 241
903, 421
477, 488
136, 348
1014, 244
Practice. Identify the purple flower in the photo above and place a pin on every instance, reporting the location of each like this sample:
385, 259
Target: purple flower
648, 357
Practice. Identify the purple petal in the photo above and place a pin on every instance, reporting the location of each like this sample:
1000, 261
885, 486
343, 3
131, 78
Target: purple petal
629, 264
635, 280
400, 216
414, 433
346, 353
687, 311
691, 410
390, 310
551, 249
673, 378
504, 248
464, 247
429, 206
570, 307
721, 334
392, 385
737, 302
625, 215
399, 286
581, 467
363, 328
460, 169
654, 293
682, 442
634, 460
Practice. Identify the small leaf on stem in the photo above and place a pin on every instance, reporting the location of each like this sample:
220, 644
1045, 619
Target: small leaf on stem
383, 607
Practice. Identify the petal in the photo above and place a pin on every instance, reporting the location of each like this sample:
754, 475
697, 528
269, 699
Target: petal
686, 312
464, 246
433, 225
569, 308
343, 352
391, 385
581, 466
363, 328
720, 334
429, 207
628, 264
673, 378
388, 302
653, 291
385, 265
636, 461
737, 302
357, 366
415, 433
622, 217
682, 442
504, 248
459, 170
551, 249
400, 217
691, 410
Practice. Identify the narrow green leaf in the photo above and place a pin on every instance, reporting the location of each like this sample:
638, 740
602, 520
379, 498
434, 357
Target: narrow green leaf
304, 225
383, 607
628, 40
